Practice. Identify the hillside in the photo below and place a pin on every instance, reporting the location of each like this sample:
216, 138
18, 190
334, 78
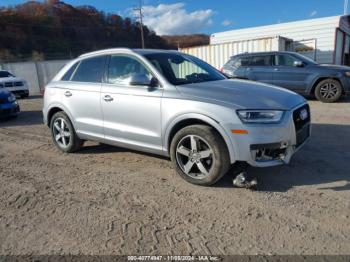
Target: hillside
187, 40
54, 29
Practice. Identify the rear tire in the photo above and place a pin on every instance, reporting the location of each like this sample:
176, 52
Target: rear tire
63, 133
328, 90
200, 155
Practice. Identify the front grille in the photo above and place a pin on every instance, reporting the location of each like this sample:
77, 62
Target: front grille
18, 84
8, 84
298, 121
302, 124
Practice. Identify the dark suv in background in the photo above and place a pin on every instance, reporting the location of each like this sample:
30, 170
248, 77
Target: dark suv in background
292, 71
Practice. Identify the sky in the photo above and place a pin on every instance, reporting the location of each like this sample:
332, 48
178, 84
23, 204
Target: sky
169, 17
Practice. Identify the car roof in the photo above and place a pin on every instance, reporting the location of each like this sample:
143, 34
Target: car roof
264, 53
128, 50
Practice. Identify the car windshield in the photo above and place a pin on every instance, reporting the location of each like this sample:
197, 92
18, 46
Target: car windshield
181, 69
305, 59
5, 74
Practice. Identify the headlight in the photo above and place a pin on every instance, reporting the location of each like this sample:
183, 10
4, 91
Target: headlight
11, 98
260, 116
347, 73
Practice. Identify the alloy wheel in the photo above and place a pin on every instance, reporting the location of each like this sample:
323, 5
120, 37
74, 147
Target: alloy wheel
61, 132
194, 156
329, 90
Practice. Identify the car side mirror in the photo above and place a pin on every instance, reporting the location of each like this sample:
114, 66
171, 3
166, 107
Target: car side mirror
298, 64
140, 80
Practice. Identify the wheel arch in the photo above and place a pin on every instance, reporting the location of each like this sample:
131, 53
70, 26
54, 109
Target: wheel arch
57, 108
192, 119
321, 78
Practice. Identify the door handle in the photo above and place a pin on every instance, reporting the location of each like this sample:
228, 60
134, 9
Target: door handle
248, 69
276, 69
108, 98
67, 93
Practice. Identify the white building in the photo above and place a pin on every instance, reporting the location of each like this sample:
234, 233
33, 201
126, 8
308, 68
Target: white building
326, 40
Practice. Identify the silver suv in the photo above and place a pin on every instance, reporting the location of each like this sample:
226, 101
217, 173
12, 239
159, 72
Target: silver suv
172, 104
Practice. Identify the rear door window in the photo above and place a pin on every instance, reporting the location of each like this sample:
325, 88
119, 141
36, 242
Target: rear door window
261, 60
90, 70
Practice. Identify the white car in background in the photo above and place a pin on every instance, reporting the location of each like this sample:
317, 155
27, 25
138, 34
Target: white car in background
18, 86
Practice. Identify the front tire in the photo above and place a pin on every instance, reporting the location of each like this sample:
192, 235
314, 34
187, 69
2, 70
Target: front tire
200, 155
63, 133
328, 91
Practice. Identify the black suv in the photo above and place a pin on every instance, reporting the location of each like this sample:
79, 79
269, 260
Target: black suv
292, 71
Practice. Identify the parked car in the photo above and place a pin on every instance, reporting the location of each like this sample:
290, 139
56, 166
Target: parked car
16, 85
292, 71
172, 104
8, 104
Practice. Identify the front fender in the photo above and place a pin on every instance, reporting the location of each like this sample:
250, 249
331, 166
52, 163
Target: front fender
210, 121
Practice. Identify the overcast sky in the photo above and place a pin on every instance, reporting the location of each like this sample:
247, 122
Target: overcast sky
210, 16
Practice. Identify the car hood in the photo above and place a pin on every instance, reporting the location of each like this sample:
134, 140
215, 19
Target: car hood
243, 94
10, 79
336, 67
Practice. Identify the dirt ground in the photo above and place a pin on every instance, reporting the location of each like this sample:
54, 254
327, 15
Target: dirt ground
109, 200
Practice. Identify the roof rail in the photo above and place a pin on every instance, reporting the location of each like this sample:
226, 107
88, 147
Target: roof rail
103, 51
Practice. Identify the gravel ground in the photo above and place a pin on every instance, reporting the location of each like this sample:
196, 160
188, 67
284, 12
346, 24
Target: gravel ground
109, 200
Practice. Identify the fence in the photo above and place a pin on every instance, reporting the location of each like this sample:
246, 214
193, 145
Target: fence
36, 73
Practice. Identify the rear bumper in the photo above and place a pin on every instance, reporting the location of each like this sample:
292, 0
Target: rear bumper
9, 110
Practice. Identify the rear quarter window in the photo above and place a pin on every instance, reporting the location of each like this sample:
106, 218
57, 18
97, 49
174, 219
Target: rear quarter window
67, 76
90, 70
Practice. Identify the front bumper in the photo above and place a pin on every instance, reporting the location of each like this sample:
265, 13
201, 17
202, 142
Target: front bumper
271, 144
9, 110
19, 90
345, 82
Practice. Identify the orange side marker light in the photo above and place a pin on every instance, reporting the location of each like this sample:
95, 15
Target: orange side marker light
239, 131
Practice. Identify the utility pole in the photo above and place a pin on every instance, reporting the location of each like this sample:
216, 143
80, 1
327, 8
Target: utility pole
346, 2
139, 9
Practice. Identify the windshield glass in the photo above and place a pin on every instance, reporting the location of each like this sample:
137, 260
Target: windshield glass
5, 74
306, 59
180, 69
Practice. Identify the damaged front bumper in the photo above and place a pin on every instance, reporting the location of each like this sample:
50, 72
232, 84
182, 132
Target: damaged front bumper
271, 145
